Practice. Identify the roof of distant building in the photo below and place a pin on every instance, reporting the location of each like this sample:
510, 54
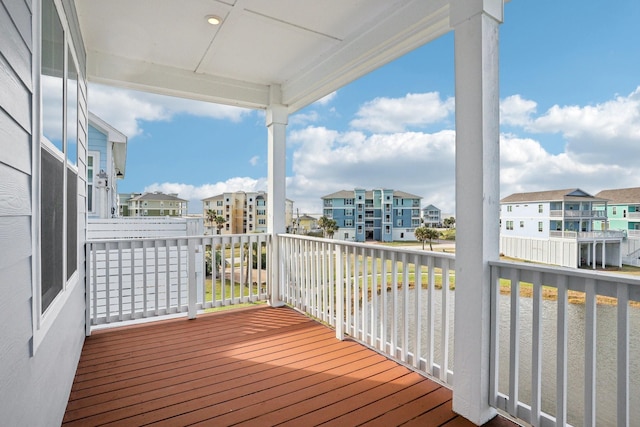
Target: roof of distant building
158, 196
621, 195
571, 194
349, 194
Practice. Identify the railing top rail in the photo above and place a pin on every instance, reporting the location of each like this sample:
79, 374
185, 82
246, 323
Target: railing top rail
221, 237
571, 272
372, 246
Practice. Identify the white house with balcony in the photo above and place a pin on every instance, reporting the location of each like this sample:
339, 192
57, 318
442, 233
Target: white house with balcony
558, 227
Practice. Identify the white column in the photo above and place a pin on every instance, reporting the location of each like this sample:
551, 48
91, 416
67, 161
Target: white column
593, 262
604, 253
276, 121
477, 198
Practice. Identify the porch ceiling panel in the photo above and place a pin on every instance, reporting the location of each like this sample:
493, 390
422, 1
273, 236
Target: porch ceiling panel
308, 47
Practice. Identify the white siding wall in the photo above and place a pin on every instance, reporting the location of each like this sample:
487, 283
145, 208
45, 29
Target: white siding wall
561, 252
529, 215
34, 388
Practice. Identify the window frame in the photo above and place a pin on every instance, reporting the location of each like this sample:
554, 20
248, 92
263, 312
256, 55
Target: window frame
42, 320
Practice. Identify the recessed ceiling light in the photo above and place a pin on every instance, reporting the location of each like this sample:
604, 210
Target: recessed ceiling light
214, 19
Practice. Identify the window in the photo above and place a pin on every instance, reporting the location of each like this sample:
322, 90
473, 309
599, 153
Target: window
346, 235
540, 209
262, 221
509, 225
348, 223
348, 212
614, 210
387, 230
399, 222
58, 183
348, 202
521, 224
540, 226
359, 229
509, 208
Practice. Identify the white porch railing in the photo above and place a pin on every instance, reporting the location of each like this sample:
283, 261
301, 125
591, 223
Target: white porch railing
133, 279
363, 291
543, 340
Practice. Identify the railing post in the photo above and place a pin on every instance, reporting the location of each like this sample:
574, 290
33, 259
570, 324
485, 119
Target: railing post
339, 294
192, 296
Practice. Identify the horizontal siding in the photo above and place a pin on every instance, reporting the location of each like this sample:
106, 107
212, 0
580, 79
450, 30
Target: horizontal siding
15, 235
16, 98
12, 42
15, 144
15, 192
20, 12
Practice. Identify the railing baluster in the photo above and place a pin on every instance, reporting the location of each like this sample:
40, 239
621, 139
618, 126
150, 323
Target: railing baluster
375, 308
590, 353
430, 327
405, 307
120, 281
156, 285
384, 304
561, 352
536, 350
494, 356
144, 279
417, 335
167, 277
514, 343
364, 292
444, 344
339, 294
107, 281
394, 304
133, 279
622, 388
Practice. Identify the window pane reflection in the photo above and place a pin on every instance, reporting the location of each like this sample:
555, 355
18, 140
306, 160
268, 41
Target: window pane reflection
52, 74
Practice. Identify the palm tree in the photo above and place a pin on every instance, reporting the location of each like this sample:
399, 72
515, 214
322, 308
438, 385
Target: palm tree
328, 226
220, 221
210, 216
423, 234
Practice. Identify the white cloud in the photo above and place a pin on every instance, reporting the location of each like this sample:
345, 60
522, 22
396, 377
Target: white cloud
516, 111
327, 98
326, 161
415, 110
254, 160
303, 119
125, 109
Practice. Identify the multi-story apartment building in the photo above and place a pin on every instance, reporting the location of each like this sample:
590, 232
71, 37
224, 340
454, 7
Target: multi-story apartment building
382, 214
431, 217
244, 212
558, 227
156, 204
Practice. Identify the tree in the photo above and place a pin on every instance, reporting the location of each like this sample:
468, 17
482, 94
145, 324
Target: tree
328, 226
210, 216
449, 222
220, 221
423, 234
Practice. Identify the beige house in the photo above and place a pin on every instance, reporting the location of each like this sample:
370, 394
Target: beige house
244, 212
156, 204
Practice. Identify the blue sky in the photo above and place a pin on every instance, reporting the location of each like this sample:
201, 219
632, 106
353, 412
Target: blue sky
570, 117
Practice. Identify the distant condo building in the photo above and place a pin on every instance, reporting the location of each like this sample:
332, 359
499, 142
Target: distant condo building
431, 217
382, 214
153, 204
244, 212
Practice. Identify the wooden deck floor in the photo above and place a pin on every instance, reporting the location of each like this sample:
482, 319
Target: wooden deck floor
256, 367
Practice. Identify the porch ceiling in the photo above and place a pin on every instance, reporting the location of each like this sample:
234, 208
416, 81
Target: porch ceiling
308, 47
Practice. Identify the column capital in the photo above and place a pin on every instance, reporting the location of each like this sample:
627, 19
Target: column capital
277, 112
462, 10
